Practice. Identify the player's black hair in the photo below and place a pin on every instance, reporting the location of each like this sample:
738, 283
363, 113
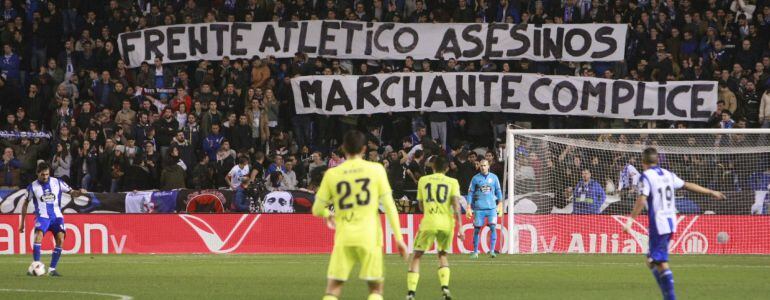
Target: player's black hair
650, 156
463, 155
316, 175
42, 167
418, 154
275, 178
440, 164
353, 142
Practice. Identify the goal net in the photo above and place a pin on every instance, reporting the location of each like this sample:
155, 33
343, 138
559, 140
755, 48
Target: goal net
573, 190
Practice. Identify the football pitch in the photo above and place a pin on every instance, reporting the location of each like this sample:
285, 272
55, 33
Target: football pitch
303, 277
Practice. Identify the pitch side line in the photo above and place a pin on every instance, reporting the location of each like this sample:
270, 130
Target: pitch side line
459, 262
324, 261
117, 296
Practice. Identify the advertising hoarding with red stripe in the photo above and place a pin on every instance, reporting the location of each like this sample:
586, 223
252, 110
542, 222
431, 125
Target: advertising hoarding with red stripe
303, 233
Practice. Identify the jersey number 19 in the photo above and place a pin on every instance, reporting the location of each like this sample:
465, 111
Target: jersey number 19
668, 197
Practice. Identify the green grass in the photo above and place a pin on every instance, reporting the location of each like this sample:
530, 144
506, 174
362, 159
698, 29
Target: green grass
303, 277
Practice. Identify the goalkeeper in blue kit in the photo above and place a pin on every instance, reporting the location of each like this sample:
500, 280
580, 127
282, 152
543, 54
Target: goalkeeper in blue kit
484, 205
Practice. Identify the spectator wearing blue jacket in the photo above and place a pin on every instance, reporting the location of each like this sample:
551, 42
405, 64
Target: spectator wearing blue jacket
10, 12
689, 46
507, 9
10, 167
485, 202
213, 142
243, 197
727, 120
588, 195
419, 133
32, 7
10, 64
102, 89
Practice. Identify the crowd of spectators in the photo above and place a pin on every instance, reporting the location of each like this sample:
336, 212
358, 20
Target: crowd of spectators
187, 125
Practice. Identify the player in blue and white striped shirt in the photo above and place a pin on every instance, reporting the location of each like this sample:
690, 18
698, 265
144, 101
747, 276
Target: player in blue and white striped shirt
45, 194
656, 190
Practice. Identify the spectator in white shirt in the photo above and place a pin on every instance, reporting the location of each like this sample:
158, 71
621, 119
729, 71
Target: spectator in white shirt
238, 172
316, 160
289, 177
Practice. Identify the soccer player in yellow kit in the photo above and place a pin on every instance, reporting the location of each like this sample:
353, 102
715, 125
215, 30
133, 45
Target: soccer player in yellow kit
356, 188
439, 198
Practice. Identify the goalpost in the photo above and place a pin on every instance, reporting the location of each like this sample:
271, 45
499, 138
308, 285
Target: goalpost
571, 191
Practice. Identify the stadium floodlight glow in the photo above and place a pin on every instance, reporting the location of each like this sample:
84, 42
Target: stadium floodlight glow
551, 208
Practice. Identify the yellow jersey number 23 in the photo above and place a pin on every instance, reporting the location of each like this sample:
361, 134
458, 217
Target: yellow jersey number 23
344, 190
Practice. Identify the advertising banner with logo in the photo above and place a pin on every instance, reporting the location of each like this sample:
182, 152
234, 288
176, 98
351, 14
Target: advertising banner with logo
11, 202
200, 201
303, 233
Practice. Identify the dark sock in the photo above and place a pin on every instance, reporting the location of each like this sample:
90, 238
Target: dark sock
55, 257
667, 285
36, 252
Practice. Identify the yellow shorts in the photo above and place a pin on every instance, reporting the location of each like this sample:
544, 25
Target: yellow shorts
345, 257
425, 239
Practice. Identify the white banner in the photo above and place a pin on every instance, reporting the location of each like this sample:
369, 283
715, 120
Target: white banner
505, 92
361, 40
